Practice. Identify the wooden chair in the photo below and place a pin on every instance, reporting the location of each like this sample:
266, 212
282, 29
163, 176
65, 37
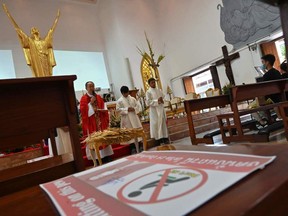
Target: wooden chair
30, 110
283, 108
191, 96
231, 122
212, 92
177, 105
209, 92
216, 92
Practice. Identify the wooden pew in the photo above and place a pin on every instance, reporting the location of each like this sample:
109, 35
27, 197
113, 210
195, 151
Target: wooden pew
244, 93
199, 104
30, 110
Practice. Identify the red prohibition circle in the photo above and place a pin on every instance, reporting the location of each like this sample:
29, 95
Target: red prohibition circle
124, 199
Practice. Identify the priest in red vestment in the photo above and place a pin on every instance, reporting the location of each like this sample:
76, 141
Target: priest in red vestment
95, 116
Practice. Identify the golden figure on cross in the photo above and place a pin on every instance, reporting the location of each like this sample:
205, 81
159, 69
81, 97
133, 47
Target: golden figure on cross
38, 52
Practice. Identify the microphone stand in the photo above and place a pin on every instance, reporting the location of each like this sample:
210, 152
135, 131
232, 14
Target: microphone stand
97, 116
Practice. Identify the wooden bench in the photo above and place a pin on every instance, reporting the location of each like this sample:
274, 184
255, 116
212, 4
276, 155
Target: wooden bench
271, 128
231, 121
30, 110
251, 124
283, 108
200, 104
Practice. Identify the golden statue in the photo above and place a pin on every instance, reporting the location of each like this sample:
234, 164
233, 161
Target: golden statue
38, 52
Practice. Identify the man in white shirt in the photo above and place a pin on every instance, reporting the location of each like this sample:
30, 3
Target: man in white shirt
155, 100
129, 108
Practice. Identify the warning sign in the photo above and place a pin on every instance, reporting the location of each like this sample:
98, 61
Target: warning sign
151, 183
162, 185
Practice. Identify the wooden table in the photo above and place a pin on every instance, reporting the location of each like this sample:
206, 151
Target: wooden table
261, 193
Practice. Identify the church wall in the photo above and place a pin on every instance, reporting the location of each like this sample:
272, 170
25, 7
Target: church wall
123, 23
193, 37
110, 28
192, 34
244, 71
187, 32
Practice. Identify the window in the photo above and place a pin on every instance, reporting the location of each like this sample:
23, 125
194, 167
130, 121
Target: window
280, 46
7, 69
202, 82
86, 65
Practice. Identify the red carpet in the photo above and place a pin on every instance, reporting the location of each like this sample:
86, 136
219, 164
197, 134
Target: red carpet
119, 152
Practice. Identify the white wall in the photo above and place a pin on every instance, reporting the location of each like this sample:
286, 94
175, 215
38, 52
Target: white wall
123, 23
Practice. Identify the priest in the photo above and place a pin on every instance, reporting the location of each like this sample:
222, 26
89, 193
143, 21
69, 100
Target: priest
94, 118
129, 108
155, 100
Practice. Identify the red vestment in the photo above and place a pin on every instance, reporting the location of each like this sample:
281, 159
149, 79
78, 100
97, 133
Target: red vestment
89, 123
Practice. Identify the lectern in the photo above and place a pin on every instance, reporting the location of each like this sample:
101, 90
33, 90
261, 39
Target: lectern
30, 111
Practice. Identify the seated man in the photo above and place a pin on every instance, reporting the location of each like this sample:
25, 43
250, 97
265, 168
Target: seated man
129, 108
271, 74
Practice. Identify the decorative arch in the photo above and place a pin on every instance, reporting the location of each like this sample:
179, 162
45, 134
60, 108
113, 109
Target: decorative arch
149, 70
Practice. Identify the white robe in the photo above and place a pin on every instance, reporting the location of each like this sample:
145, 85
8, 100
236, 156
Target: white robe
129, 119
158, 127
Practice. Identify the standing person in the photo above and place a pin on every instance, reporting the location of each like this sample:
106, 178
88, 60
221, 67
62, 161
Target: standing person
129, 108
155, 100
38, 51
94, 117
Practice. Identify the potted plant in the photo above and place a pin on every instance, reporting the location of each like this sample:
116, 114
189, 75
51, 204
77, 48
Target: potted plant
226, 89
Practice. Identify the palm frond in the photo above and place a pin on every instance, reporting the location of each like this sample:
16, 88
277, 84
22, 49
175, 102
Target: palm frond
160, 58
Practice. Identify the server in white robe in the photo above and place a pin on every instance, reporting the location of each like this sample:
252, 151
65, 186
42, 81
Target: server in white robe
129, 107
155, 100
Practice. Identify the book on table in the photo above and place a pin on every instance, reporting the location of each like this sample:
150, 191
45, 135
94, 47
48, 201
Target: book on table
151, 183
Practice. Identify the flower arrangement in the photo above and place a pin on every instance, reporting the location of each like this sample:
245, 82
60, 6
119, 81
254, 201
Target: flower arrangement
115, 119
